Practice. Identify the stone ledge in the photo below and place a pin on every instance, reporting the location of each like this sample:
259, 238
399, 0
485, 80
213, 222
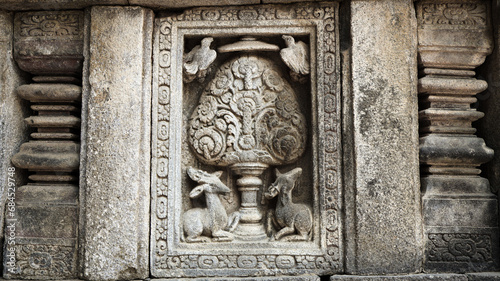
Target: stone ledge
412, 277
484, 276
26, 5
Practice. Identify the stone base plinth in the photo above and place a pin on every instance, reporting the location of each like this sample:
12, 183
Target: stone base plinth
484, 276
412, 277
267, 278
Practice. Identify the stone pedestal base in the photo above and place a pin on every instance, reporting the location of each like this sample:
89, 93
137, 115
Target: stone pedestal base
484, 276
412, 277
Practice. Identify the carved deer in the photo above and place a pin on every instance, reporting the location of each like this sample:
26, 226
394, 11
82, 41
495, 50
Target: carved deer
213, 220
293, 220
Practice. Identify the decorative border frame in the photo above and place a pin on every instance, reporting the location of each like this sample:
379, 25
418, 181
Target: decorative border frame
320, 22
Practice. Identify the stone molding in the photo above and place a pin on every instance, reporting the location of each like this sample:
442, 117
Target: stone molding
460, 212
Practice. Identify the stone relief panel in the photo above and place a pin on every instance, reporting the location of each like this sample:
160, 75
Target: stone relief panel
246, 142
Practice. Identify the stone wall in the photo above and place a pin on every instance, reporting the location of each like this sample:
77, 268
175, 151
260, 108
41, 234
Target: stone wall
248, 140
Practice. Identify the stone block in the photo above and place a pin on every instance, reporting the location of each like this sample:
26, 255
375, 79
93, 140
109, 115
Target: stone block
483, 276
383, 232
115, 176
411, 277
225, 128
25, 5
49, 42
13, 110
43, 232
269, 278
445, 44
160, 4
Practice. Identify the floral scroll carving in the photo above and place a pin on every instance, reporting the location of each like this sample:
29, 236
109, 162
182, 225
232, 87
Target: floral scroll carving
459, 247
460, 14
248, 113
51, 24
234, 105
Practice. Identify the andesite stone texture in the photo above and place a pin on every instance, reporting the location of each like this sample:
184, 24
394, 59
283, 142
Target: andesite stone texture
19, 5
269, 278
489, 103
383, 224
460, 213
139, 112
483, 276
13, 130
49, 42
411, 277
218, 135
45, 214
117, 98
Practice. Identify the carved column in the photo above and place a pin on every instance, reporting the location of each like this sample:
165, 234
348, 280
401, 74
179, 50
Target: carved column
44, 221
460, 212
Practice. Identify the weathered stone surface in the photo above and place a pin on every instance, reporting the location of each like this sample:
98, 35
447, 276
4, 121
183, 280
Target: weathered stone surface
22, 5
280, 278
17, 5
56, 218
411, 277
49, 42
483, 276
475, 207
190, 3
383, 233
116, 148
44, 222
447, 41
489, 103
50, 92
214, 140
460, 213
285, 1
13, 130
48, 156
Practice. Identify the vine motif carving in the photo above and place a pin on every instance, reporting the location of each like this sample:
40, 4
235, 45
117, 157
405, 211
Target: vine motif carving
443, 15
329, 149
45, 260
257, 262
459, 247
248, 113
327, 60
51, 24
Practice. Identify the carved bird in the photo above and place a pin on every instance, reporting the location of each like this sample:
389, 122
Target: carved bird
295, 55
199, 58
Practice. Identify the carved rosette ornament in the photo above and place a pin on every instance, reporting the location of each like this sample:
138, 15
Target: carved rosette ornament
460, 212
248, 118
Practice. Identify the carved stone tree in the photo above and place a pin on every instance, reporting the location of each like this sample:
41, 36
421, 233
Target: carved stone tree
460, 212
235, 95
247, 119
